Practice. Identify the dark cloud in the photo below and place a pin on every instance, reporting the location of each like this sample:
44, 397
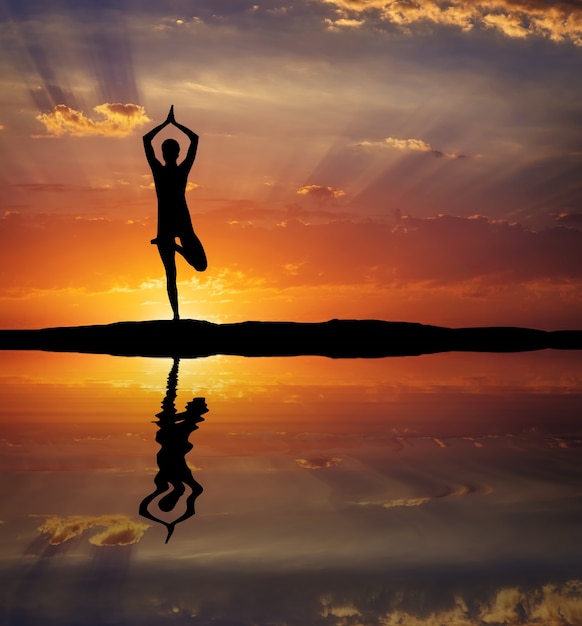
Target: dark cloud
570, 220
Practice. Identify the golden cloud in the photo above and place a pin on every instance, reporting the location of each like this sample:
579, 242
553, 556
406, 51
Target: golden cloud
550, 604
119, 120
318, 463
459, 616
119, 529
123, 533
343, 23
189, 186
321, 192
559, 22
413, 145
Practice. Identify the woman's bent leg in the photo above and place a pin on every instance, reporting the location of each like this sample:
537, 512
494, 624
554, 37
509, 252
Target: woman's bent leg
192, 250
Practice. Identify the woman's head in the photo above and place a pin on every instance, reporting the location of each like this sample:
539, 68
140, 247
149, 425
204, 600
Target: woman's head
170, 150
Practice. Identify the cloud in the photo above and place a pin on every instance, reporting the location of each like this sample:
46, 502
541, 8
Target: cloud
119, 529
463, 490
320, 192
343, 23
189, 186
504, 607
318, 463
558, 22
122, 533
413, 145
120, 120
570, 220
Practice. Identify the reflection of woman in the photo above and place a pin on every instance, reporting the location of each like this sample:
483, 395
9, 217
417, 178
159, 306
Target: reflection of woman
170, 180
174, 477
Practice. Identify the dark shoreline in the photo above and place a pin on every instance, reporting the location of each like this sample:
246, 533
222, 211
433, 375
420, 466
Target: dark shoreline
334, 339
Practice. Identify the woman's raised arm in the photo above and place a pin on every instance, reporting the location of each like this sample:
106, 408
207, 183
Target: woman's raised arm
147, 138
191, 154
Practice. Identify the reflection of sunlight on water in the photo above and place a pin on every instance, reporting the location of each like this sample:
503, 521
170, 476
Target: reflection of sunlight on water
429, 480
542, 371
465, 395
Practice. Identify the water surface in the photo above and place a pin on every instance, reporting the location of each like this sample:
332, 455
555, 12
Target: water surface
443, 489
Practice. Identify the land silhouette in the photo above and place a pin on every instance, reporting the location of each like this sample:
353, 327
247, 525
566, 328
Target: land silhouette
334, 338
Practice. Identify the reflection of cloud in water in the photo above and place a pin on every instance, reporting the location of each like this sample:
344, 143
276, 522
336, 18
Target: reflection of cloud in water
549, 604
318, 463
422, 597
119, 530
463, 490
288, 534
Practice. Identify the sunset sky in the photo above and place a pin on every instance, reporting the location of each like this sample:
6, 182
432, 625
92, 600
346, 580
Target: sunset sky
397, 160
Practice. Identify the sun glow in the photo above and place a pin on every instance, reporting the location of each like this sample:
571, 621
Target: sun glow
319, 190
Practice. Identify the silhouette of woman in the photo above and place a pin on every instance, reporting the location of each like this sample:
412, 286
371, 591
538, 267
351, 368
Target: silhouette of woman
174, 476
174, 220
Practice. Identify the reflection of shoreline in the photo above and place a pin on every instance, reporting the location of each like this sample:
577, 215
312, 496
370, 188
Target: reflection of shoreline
336, 339
174, 481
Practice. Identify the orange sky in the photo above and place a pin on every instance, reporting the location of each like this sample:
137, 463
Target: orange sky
356, 160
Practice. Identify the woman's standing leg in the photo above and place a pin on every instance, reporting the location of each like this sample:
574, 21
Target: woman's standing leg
167, 252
